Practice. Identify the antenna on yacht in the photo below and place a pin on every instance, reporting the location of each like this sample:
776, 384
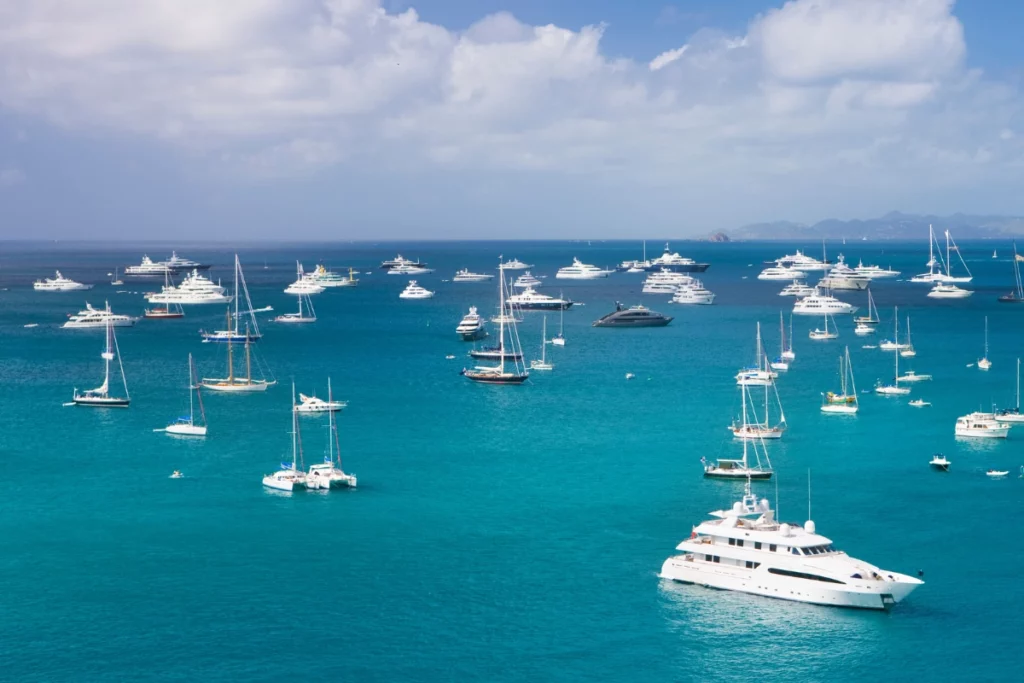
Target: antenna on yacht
808, 493
777, 514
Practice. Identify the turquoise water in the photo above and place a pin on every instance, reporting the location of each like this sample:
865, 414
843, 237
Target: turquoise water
498, 533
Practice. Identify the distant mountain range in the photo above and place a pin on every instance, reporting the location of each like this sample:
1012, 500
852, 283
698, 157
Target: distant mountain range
891, 226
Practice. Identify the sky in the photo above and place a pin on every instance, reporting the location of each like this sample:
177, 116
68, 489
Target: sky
500, 119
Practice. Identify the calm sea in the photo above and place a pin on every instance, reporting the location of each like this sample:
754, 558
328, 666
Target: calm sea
498, 533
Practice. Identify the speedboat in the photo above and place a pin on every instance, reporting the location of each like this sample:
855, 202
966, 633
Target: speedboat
745, 548
780, 272
980, 425
581, 271
797, 289
471, 328
948, 291
92, 318
677, 263
919, 403
532, 300
515, 264
465, 275
693, 294
414, 291
634, 316
312, 404
821, 304
59, 284
940, 462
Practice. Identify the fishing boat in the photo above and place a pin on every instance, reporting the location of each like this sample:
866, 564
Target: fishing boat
984, 363
232, 335
500, 373
845, 402
781, 363
187, 425
100, 397
1017, 295
330, 474
233, 383
894, 389
741, 469
543, 363
826, 334
940, 462
306, 314
759, 374
1012, 415
290, 477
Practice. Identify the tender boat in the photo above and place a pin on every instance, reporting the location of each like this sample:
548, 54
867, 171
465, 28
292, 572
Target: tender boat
465, 275
59, 283
92, 318
919, 403
940, 462
471, 328
581, 271
745, 548
414, 291
981, 425
997, 473
634, 316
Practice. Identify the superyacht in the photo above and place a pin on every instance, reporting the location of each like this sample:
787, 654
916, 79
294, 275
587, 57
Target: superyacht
821, 303
634, 316
194, 289
532, 300
93, 318
59, 284
471, 328
694, 293
581, 271
677, 263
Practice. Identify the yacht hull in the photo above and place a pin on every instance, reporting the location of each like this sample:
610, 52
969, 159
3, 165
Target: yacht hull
236, 386
186, 430
737, 474
494, 378
99, 402
475, 335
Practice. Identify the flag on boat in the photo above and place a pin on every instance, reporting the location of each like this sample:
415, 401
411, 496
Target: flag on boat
287, 466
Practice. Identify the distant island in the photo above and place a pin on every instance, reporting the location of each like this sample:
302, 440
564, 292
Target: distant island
892, 226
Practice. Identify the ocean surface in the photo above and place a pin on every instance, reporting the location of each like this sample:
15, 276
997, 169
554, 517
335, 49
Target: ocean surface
498, 533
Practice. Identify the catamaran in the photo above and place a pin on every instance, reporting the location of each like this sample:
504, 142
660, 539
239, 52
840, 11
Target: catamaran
499, 374
845, 402
100, 397
187, 425
741, 469
329, 474
290, 477
232, 335
233, 384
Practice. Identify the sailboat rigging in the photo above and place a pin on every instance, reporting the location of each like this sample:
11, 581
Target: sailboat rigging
741, 469
845, 402
499, 374
232, 334
543, 363
232, 383
1012, 414
187, 424
100, 397
894, 389
329, 474
1017, 295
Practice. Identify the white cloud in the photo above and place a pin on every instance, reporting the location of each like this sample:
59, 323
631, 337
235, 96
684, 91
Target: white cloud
666, 58
871, 91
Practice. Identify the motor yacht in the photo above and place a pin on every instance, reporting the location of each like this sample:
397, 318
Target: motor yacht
323, 277
92, 318
414, 291
779, 272
409, 270
147, 269
940, 462
981, 425
471, 328
581, 271
745, 548
177, 264
303, 285
874, 272
59, 283
400, 261
919, 403
674, 262
634, 316
527, 279
947, 291
532, 300
911, 376
863, 329
842, 276
194, 290
693, 294
797, 289
465, 275
312, 404
821, 303
515, 264
802, 261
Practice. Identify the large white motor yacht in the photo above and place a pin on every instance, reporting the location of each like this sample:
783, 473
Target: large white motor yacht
147, 269
532, 300
681, 264
414, 291
471, 328
797, 289
323, 277
527, 279
581, 271
92, 318
842, 276
744, 548
194, 289
874, 272
947, 291
515, 264
779, 272
981, 425
802, 261
693, 294
409, 270
821, 304
59, 284
465, 275
312, 404
400, 261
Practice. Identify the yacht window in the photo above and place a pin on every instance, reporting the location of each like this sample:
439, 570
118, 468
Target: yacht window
802, 575
772, 547
716, 558
732, 541
739, 542
795, 551
757, 545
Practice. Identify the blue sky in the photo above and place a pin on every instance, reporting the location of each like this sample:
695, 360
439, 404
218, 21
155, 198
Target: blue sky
362, 119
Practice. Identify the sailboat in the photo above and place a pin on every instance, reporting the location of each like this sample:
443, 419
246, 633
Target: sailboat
761, 430
845, 402
1017, 295
231, 383
290, 477
559, 339
935, 267
826, 334
894, 389
866, 323
759, 374
330, 472
168, 310
741, 469
232, 334
781, 363
1012, 414
307, 316
908, 352
116, 282
543, 363
894, 344
984, 363
187, 425
499, 374
951, 246
788, 353
100, 397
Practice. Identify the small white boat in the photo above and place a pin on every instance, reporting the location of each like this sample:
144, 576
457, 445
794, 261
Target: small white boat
630, 375
542, 363
995, 474
911, 376
414, 291
312, 404
940, 462
845, 402
947, 291
176, 474
826, 334
187, 425
919, 403
984, 363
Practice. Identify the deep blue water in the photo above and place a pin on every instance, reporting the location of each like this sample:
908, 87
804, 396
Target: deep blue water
498, 533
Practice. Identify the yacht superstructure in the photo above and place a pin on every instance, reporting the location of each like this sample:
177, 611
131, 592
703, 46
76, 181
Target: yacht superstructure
821, 303
194, 290
471, 328
581, 271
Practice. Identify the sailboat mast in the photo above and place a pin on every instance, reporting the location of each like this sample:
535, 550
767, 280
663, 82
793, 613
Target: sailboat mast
1018, 385
248, 358
544, 340
191, 406
231, 354
333, 427
896, 336
237, 293
109, 352
295, 430
501, 317
743, 395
